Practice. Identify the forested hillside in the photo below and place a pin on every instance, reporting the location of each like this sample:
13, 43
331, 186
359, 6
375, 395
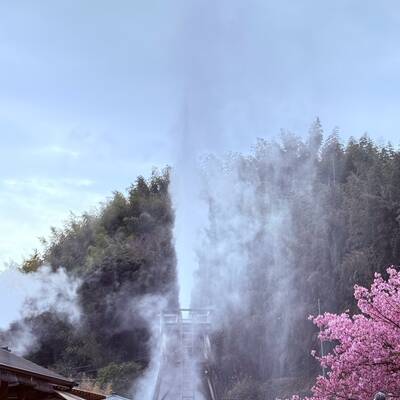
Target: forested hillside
292, 224
120, 254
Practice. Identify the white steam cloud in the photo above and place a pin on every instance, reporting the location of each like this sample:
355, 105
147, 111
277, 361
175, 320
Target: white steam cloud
23, 295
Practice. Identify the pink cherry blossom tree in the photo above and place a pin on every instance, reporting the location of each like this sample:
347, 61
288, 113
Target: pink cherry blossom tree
366, 356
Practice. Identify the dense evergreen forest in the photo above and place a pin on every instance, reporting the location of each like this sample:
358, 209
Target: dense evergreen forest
339, 205
292, 226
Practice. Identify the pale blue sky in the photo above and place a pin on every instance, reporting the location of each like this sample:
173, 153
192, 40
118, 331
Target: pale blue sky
93, 93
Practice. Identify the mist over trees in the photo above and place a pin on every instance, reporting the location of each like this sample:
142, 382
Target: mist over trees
296, 221
293, 224
122, 255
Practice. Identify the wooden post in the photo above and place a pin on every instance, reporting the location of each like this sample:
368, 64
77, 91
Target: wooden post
22, 392
3, 390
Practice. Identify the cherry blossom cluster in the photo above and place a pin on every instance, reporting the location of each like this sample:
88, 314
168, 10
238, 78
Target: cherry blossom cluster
366, 354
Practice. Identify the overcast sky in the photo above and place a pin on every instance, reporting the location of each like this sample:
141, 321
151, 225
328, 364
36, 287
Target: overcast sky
95, 92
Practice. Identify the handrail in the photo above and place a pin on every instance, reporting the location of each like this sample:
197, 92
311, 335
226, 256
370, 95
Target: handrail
191, 327
157, 387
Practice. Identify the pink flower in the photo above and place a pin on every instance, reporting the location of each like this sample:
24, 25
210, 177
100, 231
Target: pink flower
366, 358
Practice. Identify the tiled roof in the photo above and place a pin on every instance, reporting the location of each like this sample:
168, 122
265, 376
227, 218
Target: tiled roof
12, 362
